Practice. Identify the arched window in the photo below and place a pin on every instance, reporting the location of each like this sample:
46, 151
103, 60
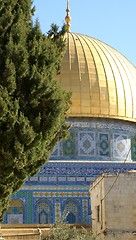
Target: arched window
43, 212
15, 212
71, 212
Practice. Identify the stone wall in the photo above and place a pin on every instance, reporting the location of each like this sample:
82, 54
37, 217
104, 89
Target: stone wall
114, 206
23, 231
117, 236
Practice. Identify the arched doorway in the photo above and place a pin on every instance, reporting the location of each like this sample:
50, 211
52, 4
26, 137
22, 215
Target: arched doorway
71, 212
43, 212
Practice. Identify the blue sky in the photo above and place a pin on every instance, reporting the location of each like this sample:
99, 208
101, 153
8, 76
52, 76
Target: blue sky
111, 21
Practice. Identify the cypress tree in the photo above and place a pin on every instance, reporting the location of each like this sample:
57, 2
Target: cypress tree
32, 105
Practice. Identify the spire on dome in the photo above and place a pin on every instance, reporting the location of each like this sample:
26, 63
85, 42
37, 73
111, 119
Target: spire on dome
67, 18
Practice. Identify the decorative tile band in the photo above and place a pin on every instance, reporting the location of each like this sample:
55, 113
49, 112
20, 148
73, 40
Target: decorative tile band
99, 140
61, 194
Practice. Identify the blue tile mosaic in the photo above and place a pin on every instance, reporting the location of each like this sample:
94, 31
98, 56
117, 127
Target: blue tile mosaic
104, 145
62, 185
133, 149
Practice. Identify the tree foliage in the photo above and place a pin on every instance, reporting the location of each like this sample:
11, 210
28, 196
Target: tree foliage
32, 105
62, 231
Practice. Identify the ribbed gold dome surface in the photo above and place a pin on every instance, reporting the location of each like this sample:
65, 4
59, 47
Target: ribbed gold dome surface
102, 81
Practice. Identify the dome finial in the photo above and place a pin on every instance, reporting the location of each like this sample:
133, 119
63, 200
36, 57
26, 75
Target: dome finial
67, 18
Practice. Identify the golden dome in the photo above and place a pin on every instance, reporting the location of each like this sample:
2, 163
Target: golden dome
102, 81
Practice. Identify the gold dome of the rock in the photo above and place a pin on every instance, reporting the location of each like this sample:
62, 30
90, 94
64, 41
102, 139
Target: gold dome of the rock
102, 81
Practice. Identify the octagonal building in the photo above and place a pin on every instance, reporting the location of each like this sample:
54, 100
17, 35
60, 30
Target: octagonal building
102, 135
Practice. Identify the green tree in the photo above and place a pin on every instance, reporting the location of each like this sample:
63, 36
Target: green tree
32, 105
